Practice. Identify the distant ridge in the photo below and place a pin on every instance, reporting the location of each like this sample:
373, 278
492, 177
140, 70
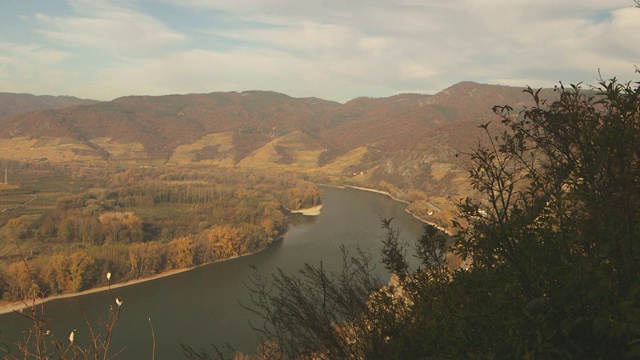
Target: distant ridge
13, 104
162, 123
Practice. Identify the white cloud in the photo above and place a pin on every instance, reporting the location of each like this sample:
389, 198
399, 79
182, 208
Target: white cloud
454, 40
336, 49
31, 68
24, 54
116, 29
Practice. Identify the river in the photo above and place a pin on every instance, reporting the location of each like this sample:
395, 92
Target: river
201, 307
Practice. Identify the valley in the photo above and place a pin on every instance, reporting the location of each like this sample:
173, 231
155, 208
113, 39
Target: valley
319, 180
408, 145
143, 185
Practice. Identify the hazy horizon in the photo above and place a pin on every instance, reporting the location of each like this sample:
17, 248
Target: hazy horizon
104, 49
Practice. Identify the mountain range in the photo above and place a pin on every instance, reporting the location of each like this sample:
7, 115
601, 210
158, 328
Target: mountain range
401, 144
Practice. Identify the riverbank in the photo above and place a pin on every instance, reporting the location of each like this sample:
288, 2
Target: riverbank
382, 192
446, 231
378, 192
312, 211
17, 306
20, 305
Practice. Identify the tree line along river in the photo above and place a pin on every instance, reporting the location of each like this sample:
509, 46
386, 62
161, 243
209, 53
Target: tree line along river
201, 307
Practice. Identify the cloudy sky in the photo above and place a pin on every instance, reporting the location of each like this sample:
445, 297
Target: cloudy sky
333, 49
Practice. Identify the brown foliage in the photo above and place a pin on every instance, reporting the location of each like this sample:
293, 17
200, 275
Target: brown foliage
147, 258
19, 282
181, 253
69, 274
121, 226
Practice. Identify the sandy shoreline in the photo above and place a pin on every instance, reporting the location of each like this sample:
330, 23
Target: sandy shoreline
312, 211
382, 192
378, 192
446, 231
6, 308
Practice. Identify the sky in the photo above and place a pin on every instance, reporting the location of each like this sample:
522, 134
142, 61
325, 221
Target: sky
332, 49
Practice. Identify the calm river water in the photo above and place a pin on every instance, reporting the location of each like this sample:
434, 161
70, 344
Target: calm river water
201, 307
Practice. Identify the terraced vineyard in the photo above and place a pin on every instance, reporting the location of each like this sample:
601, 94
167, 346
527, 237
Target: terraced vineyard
12, 197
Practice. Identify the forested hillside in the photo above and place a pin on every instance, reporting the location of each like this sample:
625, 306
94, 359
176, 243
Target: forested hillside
13, 104
408, 144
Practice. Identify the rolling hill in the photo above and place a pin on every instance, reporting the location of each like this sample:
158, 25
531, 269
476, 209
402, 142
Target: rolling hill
403, 143
12, 104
